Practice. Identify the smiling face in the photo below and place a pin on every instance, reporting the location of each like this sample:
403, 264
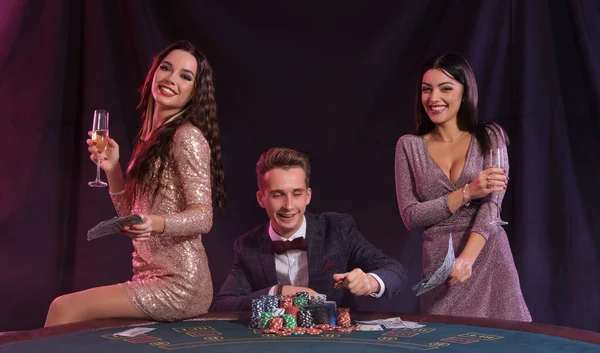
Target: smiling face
441, 96
284, 195
173, 81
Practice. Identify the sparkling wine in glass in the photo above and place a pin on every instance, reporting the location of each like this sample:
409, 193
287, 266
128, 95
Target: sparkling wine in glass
497, 161
100, 136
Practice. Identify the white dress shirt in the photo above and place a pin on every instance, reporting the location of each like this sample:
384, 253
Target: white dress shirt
292, 266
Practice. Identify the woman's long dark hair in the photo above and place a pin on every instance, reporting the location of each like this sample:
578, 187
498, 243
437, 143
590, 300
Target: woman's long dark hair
153, 149
459, 69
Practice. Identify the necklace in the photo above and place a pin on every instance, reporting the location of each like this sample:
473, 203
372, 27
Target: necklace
452, 141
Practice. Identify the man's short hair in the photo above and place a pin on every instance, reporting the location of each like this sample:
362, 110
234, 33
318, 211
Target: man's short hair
284, 158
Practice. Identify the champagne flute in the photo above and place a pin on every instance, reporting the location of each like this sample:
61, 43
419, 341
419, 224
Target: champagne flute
100, 135
497, 161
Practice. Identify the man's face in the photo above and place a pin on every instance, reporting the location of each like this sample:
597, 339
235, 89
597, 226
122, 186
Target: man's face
284, 195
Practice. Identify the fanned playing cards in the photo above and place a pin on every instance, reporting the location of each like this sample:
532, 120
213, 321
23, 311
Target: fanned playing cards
112, 226
441, 274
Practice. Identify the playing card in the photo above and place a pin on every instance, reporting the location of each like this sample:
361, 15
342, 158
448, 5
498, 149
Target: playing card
112, 226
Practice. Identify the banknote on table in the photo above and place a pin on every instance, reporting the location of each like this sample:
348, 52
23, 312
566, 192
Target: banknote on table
440, 275
389, 323
112, 226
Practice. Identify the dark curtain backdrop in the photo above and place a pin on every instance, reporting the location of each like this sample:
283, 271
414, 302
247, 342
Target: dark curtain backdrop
334, 79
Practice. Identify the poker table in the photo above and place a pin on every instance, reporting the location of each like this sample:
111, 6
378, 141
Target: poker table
230, 332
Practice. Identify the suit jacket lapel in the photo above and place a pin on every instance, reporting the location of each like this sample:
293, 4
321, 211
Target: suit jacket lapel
266, 257
314, 247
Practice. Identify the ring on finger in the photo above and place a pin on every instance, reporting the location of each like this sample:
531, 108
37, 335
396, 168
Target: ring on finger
488, 186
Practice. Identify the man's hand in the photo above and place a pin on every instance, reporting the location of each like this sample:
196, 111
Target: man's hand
357, 282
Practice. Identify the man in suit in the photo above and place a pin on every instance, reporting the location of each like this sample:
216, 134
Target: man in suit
302, 252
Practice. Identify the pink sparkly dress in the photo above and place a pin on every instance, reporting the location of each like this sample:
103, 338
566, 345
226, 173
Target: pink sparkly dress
171, 278
422, 188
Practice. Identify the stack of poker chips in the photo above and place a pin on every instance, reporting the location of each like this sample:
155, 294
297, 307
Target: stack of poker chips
286, 301
289, 321
278, 312
299, 314
305, 319
271, 303
264, 319
301, 302
276, 323
292, 310
258, 308
322, 316
312, 308
317, 299
303, 295
343, 317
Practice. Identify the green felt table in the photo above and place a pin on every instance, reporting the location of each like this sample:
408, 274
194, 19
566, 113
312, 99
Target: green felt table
215, 334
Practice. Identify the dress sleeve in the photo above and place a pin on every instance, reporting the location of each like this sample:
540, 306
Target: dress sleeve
488, 209
121, 203
191, 154
414, 213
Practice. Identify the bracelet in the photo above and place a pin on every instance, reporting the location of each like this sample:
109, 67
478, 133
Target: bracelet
464, 192
116, 193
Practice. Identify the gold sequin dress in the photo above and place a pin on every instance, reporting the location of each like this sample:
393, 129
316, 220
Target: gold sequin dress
171, 278
493, 291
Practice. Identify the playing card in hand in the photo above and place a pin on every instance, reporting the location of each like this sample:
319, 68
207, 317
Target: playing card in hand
112, 226
441, 274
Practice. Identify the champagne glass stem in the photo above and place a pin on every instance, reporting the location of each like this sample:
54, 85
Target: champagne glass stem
98, 170
497, 206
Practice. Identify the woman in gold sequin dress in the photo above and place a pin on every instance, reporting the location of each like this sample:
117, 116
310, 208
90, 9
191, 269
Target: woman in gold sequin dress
176, 160
444, 185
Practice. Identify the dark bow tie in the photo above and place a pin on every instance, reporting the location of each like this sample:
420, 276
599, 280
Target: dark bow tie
280, 247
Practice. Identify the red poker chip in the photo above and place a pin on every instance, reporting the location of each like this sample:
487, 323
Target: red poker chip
299, 329
330, 328
355, 328
313, 331
322, 326
345, 330
270, 330
284, 333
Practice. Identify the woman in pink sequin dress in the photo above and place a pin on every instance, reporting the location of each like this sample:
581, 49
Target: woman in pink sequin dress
175, 162
444, 185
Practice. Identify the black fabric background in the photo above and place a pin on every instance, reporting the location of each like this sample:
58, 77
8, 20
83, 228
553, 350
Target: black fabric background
334, 79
